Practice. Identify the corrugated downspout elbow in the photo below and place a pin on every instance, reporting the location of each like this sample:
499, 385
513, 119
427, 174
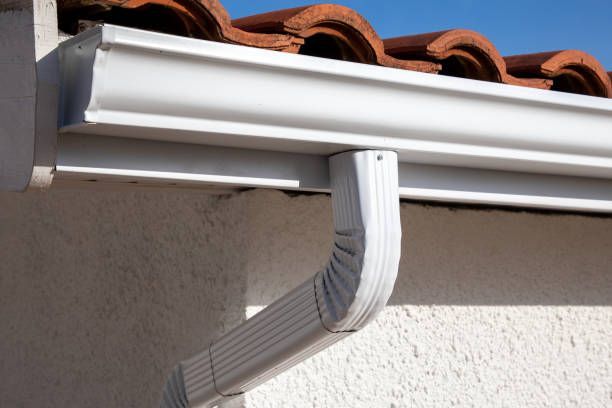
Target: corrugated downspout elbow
351, 290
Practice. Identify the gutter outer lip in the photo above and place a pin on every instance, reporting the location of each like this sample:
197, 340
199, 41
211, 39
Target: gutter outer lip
210, 50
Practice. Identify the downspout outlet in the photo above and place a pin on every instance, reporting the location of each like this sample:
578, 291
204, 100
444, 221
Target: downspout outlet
337, 301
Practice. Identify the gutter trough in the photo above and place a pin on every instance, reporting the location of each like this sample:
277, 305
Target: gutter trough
131, 96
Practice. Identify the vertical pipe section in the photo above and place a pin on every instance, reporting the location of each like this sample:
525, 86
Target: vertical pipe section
341, 299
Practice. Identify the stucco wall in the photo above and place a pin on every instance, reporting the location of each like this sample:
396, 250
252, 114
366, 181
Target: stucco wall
101, 292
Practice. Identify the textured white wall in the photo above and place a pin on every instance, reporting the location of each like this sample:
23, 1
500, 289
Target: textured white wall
102, 292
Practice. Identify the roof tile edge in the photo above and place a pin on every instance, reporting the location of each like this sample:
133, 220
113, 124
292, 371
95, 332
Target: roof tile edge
335, 31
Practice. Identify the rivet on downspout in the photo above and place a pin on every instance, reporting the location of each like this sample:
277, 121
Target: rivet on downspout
339, 300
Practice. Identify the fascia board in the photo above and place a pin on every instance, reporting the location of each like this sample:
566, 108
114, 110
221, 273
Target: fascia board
102, 159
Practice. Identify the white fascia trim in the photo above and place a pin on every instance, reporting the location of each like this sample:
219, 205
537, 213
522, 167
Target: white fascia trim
118, 161
337, 301
169, 177
520, 200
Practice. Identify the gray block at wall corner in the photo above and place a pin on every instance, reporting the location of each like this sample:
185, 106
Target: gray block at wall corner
28, 94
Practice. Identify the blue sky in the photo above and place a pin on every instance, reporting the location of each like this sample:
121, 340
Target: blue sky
515, 27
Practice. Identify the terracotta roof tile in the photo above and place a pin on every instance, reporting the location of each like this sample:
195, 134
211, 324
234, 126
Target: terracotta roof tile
571, 71
338, 32
333, 31
462, 53
206, 19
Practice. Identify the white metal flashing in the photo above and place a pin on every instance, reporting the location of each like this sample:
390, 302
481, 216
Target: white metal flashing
140, 85
90, 158
344, 297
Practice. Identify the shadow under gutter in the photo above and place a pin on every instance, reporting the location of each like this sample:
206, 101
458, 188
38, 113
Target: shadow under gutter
339, 300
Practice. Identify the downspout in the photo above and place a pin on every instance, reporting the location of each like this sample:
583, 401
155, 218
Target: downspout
344, 297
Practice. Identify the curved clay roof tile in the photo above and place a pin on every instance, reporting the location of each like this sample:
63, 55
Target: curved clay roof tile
206, 19
335, 31
462, 53
571, 71
332, 31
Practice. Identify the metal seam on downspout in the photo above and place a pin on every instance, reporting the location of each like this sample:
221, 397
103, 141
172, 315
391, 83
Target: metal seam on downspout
339, 300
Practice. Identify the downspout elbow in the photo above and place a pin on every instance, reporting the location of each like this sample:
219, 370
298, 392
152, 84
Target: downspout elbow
360, 275
341, 299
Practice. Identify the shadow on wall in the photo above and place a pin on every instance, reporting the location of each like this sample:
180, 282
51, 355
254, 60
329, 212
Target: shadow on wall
463, 257
102, 293
449, 256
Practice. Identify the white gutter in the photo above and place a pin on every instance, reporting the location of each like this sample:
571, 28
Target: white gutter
344, 297
147, 88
